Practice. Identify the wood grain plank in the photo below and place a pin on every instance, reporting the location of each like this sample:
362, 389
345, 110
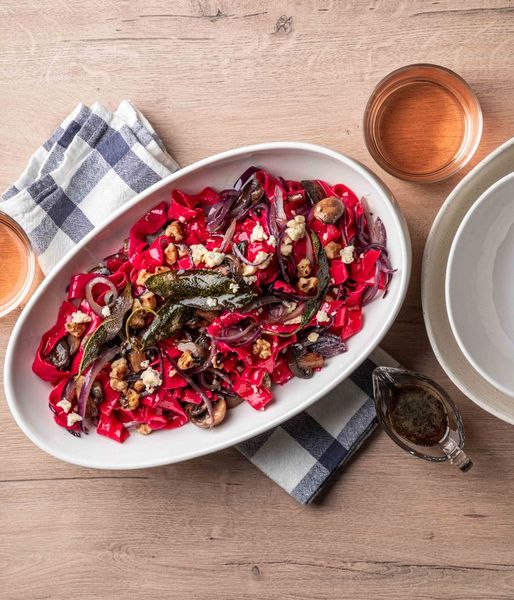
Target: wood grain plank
207, 73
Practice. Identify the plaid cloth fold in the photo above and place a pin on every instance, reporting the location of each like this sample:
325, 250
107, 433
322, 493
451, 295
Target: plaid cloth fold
93, 164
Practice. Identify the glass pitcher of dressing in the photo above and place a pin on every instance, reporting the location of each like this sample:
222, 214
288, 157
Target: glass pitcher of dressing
419, 416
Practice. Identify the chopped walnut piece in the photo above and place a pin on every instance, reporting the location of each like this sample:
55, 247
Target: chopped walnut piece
303, 268
142, 276
137, 320
119, 368
76, 329
261, 348
332, 250
144, 429
148, 300
171, 253
118, 385
307, 285
185, 361
139, 386
130, 400
174, 231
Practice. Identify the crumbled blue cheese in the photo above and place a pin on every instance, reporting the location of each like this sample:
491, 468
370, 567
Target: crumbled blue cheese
106, 312
211, 301
73, 418
182, 219
197, 253
79, 317
296, 228
258, 234
313, 336
262, 259
249, 279
233, 287
213, 258
322, 316
272, 241
151, 378
65, 405
347, 255
144, 364
249, 270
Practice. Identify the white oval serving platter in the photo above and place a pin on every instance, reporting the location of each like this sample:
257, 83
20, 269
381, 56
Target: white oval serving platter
27, 396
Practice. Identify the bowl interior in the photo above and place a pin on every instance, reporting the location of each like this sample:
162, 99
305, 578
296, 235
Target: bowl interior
27, 395
480, 292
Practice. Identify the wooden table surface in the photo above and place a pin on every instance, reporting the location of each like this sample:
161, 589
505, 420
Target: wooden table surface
212, 76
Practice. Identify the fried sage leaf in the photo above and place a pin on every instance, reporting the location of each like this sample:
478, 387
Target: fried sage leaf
312, 305
203, 289
169, 319
107, 330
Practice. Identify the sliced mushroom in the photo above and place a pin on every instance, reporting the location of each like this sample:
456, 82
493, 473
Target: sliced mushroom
200, 417
310, 360
302, 363
231, 400
328, 210
95, 397
60, 355
136, 357
73, 344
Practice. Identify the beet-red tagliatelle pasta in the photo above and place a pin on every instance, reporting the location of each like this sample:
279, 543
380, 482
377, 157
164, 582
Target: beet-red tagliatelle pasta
214, 298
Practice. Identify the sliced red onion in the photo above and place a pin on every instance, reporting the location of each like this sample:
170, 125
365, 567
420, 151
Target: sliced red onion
278, 202
378, 232
208, 361
89, 293
374, 246
69, 390
283, 261
371, 293
217, 215
291, 296
90, 377
243, 258
245, 177
309, 250
327, 345
195, 387
227, 238
220, 375
297, 312
235, 336
342, 229
260, 301
212, 385
240, 214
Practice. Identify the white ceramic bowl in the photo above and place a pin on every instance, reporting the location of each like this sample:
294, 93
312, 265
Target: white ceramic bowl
27, 395
480, 285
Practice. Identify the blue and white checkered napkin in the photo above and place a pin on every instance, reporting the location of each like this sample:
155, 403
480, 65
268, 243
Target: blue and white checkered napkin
93, 164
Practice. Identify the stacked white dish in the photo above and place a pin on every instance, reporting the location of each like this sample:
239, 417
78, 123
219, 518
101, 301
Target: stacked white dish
468, 284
